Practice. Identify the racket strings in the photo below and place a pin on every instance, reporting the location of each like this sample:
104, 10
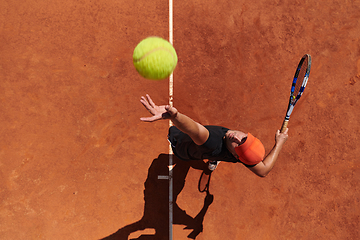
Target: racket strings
298, 87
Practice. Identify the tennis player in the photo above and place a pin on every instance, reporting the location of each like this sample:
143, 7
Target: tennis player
192, 141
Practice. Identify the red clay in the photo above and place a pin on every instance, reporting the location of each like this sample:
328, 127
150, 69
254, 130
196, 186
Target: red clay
74, 156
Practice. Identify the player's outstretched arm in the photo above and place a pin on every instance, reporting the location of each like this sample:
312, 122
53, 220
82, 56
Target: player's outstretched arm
263, 168
198, 133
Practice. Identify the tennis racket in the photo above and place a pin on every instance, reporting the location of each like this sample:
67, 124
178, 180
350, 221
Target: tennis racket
298, 86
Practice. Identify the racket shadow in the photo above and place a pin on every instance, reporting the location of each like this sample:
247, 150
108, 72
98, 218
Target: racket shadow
204, 181
156, 207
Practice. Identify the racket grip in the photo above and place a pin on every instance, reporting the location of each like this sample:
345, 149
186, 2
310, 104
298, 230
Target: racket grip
284, 126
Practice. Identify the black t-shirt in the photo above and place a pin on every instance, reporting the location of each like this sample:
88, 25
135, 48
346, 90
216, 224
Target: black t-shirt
214, 149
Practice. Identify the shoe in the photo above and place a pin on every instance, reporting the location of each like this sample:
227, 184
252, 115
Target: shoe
213, 164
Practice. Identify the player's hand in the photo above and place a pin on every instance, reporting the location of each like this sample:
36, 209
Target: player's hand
281, 138
157, 112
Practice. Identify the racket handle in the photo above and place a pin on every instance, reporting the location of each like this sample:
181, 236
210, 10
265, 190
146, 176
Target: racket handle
284, 126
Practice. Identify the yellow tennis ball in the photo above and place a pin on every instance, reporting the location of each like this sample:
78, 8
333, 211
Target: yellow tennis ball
155, 58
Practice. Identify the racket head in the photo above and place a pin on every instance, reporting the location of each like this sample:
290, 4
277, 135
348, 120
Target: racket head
300, 79
204, 181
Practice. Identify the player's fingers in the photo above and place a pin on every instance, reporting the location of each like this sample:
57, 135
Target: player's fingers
143, 100
145, 103
148, 119
168, 108
143, 119
285, 132
171, 110
152, 104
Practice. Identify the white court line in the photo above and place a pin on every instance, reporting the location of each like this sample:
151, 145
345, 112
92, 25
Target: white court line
171, 90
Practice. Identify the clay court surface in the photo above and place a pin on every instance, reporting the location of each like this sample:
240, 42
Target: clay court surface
75, 159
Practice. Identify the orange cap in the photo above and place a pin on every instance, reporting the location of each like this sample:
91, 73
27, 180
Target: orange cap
252, 151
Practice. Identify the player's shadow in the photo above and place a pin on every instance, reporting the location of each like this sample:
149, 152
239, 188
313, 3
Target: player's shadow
156, 196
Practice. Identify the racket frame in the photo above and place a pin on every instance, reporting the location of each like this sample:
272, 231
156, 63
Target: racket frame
294, 99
